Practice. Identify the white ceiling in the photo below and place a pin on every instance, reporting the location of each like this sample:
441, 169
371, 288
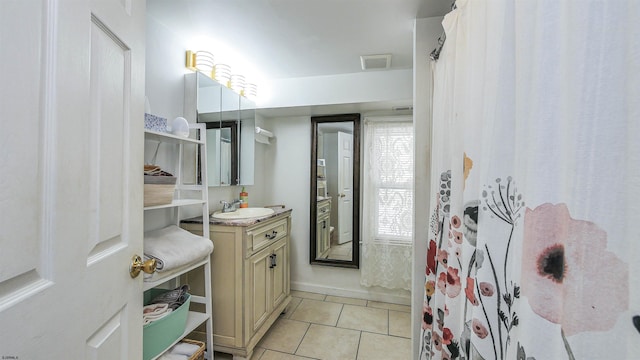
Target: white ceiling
302, 38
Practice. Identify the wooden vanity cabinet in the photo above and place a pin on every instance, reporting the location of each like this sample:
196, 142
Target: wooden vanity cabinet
323, 228
250, 272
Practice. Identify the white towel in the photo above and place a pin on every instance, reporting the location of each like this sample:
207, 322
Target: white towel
183, 348
175, 247
155, 312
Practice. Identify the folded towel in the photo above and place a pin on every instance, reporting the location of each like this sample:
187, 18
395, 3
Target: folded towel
155, 312
175, 247
154, 309
148, 319
183, 348
173, 298
159, 262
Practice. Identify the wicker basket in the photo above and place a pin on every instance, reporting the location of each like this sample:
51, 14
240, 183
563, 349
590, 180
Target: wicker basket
158, 190
198, 355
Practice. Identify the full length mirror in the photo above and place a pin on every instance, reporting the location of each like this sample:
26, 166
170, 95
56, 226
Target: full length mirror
335, 192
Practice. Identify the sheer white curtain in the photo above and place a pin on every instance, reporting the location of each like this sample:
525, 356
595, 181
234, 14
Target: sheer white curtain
387, 204
533, 248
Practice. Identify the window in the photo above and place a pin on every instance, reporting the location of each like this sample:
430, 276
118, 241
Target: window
387, 204
389, 180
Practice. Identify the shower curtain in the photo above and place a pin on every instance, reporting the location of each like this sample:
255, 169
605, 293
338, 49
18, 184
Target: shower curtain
533, 247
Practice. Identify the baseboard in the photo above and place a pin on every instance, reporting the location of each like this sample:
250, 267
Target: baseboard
401, 298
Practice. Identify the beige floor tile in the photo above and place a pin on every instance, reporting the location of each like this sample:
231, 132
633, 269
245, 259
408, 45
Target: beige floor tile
284, 336
318, 312
384, 305
339, 257
307, 295
343, 249
400, 323
365, 319
274, 355
329, 343
293, 305
346, 300
383, 347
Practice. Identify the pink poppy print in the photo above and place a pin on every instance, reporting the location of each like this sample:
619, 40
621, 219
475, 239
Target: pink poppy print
568, 275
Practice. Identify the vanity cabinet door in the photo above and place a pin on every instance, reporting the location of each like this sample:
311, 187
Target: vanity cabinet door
268, 278
323, 227
259, 303
319, 243
280, 272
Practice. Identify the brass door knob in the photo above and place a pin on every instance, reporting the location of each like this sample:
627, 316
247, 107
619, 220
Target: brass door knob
148, 266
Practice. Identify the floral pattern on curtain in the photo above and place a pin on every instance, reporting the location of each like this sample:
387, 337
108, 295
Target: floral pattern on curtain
532, 251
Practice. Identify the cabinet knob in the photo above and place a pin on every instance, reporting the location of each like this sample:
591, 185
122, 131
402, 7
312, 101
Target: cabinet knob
148, 266
272, 235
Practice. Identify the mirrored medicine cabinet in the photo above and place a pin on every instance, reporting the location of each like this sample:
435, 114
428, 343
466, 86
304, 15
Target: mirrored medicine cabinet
230, 122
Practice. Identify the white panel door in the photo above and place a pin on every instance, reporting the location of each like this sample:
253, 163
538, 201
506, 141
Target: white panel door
71, 144
345, 187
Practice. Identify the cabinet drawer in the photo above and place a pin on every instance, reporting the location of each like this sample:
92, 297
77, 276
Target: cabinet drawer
324, 208
261, 236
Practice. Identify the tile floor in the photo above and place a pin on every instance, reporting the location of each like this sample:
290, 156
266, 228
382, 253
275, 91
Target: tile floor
328, 327
340, 251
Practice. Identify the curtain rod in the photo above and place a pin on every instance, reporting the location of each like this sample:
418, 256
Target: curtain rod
435, 54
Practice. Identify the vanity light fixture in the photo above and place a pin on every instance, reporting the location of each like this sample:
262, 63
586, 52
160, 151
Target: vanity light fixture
200, 61
237, 83
190, 62
222, 74
250, 90
203, 61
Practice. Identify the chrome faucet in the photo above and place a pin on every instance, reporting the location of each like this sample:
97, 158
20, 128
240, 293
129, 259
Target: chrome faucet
230, 206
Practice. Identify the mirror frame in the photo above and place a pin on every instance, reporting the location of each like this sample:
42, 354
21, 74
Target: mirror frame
233, 126
355, 258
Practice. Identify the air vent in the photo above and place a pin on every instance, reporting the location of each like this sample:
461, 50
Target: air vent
375, 62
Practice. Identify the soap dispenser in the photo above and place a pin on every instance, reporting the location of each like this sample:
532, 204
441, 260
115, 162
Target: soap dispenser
244, 196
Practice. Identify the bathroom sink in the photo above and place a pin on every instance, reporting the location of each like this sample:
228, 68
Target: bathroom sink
243, 213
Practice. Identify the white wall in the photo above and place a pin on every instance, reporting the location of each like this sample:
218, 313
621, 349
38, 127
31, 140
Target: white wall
164, 70
370, 86
426, 33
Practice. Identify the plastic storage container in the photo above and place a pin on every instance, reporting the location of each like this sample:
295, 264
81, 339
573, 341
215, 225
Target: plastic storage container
158, 335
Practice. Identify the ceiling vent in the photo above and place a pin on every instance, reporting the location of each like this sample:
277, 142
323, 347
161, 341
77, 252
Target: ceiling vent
375, 62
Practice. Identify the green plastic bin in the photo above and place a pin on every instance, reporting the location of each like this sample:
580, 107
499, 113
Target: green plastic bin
158, 335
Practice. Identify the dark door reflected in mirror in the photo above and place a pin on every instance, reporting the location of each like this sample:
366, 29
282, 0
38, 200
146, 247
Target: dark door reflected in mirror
222, 144
335, 191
